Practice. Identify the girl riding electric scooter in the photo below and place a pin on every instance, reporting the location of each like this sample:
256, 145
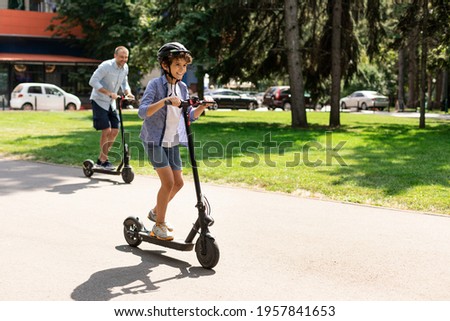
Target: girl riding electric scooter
165, 127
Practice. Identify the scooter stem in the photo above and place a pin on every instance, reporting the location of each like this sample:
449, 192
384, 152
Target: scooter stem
185, 108
201, 221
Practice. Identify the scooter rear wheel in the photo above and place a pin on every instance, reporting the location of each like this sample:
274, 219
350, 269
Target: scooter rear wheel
88, 172
87, 168
208, 256
131, 229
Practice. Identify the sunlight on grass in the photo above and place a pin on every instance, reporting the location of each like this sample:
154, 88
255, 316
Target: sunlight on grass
372, 159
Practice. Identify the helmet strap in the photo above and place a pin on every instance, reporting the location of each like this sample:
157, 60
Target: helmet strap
174, 86
169, 73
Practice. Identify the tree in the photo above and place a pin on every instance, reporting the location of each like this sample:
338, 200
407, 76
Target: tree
339, 51
244, 41
336, 63
295, 66
438, 58
423, 62
106, 25
247, 40
425, 25
401, 80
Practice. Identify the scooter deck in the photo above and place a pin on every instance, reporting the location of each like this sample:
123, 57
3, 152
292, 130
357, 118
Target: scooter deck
106, 171
179, 245
89, 164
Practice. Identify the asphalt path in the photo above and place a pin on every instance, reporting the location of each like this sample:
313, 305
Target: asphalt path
62, 239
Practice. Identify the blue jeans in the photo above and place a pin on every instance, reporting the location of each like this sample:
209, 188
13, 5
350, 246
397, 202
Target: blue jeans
164, 156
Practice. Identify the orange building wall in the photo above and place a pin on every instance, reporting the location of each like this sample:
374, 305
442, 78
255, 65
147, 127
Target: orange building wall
29, 23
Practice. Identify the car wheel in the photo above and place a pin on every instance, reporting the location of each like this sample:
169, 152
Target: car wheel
287, 106
27, 106
251, 106
71, 107
343, 105
364, 106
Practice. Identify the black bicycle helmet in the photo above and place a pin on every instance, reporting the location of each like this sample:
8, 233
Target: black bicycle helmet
171, 48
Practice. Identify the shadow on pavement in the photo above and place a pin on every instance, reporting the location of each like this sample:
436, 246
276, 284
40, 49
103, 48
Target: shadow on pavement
20, 176
111, 283
72, 188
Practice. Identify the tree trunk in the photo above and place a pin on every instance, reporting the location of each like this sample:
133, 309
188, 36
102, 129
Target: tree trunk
200, 74
412, 69
423, 63
298, 109
438, 98
401, 80
430, 100
446, 85
336, 64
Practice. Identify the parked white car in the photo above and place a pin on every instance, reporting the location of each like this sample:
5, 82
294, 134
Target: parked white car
365, 99
39, 96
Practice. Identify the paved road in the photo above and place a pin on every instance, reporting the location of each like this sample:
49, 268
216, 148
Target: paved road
61, 239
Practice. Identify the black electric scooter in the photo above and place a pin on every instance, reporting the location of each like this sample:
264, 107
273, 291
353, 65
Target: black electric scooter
124, 167
206, 246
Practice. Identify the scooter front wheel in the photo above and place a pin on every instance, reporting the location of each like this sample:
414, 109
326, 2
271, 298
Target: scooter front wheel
207, 252
127, 175
131, 229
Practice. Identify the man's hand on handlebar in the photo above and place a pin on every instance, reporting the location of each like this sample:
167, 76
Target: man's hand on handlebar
130, 97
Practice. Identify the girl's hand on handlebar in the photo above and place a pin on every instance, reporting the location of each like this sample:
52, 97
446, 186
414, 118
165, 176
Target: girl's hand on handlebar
208, 101
174, 101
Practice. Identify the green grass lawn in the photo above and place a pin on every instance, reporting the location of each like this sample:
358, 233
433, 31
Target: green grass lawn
372, 159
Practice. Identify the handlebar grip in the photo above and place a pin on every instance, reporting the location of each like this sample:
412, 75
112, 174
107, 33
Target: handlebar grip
194, 102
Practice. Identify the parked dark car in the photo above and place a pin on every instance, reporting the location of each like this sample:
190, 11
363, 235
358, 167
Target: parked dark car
226, 98
280, 97
274, 97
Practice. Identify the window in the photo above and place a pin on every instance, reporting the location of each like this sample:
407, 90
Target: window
16, 4
52, 91
35, 90
3, 86
43, 5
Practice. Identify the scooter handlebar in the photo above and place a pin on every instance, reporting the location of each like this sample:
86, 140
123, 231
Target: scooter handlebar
194, 102
129, 98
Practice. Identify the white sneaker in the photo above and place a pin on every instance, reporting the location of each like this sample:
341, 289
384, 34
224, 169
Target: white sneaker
161, 232
152, 217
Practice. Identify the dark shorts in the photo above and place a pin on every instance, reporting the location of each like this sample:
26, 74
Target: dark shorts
164, 156
104, 119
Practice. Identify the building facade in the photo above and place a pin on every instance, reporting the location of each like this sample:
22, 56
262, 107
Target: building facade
30, 53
